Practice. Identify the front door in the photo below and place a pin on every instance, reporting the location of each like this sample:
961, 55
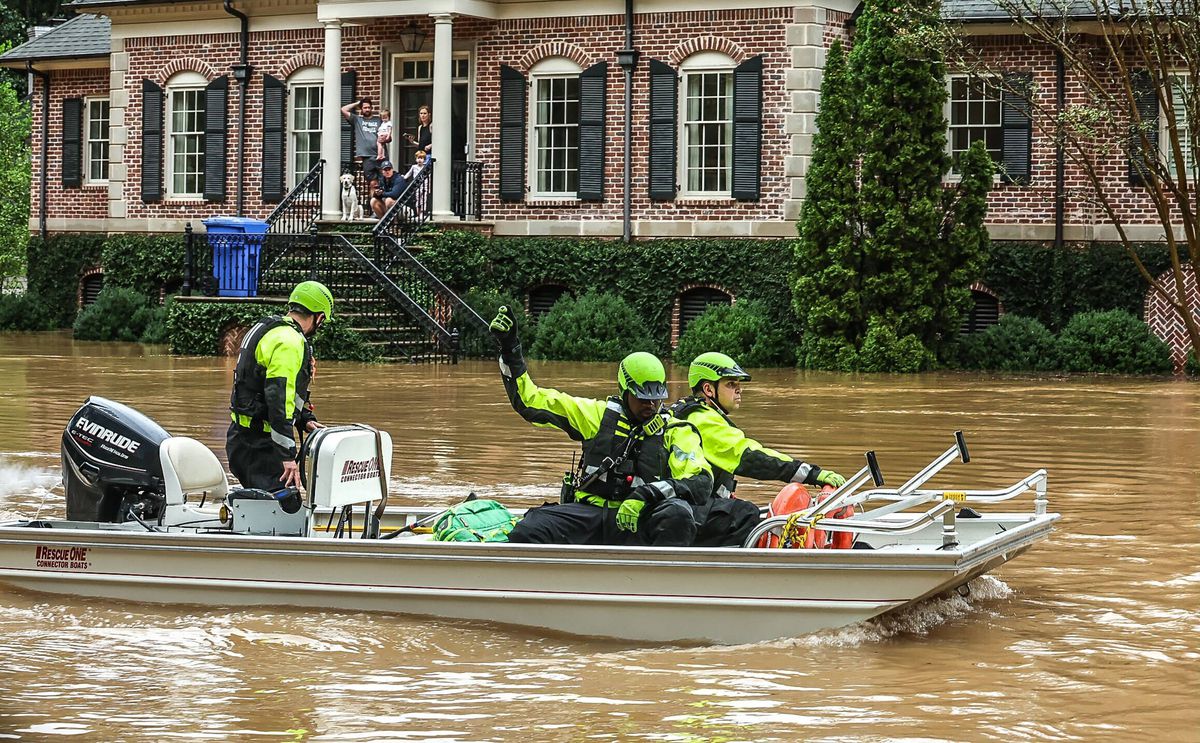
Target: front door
412, 87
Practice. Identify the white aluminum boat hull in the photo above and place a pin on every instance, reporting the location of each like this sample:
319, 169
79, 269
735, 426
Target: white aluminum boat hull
641, 593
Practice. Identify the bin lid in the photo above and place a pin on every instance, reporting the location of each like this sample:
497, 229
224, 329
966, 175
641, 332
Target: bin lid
244, 224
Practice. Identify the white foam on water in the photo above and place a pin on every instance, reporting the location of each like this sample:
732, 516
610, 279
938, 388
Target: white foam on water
20, 478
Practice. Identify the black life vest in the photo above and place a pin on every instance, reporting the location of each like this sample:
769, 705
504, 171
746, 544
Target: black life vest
724, 482
250, 377
645, 462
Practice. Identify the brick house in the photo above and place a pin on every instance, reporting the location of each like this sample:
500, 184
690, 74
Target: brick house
152, 113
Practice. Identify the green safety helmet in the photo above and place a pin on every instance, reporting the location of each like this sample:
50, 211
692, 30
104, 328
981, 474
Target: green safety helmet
714, 367
314, 297
643, 375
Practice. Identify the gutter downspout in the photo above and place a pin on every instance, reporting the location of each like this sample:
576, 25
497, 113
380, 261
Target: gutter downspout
1060, 72
241, 73
627, 59
43, 180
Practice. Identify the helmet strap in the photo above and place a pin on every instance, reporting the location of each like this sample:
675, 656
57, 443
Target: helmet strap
713, 399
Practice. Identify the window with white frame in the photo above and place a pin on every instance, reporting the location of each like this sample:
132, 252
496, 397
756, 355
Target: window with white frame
185, 135
975, 112
706, 103
554, 134
96, 149
305, 94
1181, 95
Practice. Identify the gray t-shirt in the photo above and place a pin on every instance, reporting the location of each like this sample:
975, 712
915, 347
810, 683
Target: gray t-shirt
366, 132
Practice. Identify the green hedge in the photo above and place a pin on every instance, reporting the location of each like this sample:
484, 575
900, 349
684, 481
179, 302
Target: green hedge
1112, 341
1053, 285
1015, 343
594, 327
196, 328
743, 330
25, 312
647, 274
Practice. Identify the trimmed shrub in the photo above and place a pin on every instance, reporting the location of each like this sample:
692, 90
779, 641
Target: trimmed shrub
1016, 343
24, 312
594, 327
486, 303
117, 315
1112, 341
742, 330
154, 319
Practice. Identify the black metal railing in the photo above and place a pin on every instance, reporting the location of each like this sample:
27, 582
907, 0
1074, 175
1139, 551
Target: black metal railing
355, 169
301, 208
466, 190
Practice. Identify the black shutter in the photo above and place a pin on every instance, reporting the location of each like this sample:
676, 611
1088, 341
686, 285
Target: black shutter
274, 116
152, 142
1016, 123
349, 93
72, 145
512, 134
216, 103
664, 97
592, 106
1145, 99
747, 129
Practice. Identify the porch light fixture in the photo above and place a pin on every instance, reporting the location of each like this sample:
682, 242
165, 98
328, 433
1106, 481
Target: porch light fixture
412, 38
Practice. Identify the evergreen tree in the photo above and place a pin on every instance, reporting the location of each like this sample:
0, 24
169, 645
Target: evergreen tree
828, 285
14, 182
894, 251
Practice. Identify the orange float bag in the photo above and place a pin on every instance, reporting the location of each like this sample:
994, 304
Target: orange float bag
792, 498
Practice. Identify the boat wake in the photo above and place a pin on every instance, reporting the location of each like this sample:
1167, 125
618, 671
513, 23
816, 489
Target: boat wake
25, 489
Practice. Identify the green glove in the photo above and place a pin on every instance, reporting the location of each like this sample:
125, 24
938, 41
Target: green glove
504, 327
628, 514
829, 477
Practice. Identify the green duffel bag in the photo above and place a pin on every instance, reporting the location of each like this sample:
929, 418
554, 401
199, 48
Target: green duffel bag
474, 521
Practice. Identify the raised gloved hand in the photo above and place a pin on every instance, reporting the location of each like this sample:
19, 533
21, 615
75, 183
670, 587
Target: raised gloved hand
829, 477
629, 513
504, 327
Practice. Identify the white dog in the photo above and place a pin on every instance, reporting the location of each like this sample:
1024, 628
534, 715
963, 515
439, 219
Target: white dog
351, 207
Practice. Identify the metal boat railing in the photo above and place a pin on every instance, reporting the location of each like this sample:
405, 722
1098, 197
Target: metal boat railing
301, 208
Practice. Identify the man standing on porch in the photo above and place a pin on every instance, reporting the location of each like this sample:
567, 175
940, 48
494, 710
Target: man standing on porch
366, 142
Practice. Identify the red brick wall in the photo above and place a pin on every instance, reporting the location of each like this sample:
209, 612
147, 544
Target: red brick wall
87, 201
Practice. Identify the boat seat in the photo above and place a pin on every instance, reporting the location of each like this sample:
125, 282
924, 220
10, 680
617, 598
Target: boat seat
189, 468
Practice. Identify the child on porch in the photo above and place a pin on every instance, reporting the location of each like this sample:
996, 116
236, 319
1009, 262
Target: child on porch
385, 134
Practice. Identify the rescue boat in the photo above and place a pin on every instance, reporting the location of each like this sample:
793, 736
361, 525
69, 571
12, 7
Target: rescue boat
151, 518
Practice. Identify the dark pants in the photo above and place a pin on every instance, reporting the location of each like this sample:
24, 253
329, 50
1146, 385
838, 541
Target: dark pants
669, 523
728, 522
253, 458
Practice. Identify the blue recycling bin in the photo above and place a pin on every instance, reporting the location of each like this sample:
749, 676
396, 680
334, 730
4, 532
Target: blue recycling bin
236, 244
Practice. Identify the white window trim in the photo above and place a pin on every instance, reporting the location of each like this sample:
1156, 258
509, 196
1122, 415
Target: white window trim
699, 63
951, 176
303, 77
87, 140
549, 68
184, 81
1164, 143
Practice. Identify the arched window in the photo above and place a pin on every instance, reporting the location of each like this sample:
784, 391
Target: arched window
693, 303
554, 130
305, 87
985, 312
185, 135
542, 298
90, 288
706, 111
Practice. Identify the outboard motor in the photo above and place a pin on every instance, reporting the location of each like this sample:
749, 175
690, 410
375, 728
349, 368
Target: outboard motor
111, 466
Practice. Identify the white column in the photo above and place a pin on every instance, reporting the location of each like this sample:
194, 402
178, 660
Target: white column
331, 121
443, 63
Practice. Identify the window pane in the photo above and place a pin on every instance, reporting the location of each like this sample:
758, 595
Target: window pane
556, 135
975, 114
708, 129
186, 143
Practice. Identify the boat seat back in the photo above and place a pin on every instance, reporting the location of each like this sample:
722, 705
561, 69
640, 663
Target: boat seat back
189, 467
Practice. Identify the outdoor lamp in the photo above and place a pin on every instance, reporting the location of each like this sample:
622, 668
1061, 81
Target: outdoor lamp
412, 38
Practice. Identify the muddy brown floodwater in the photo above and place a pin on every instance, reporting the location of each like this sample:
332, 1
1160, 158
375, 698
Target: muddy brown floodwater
1094, 634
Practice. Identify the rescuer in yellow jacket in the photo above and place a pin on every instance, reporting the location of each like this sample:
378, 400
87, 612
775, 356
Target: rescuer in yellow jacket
270, 391
716, 382
642, 477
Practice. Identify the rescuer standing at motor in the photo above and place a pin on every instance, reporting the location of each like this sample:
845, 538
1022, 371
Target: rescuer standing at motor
269, 401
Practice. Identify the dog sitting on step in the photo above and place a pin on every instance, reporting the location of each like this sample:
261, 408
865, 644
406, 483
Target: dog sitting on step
351, 207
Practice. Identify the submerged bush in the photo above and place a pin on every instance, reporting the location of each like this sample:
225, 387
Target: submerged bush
742, 330
1112, 341
594, 327
1192, 367
1016, 343
24, 312
118, 314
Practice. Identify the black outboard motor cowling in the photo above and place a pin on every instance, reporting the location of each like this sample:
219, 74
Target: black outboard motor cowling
110, 463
